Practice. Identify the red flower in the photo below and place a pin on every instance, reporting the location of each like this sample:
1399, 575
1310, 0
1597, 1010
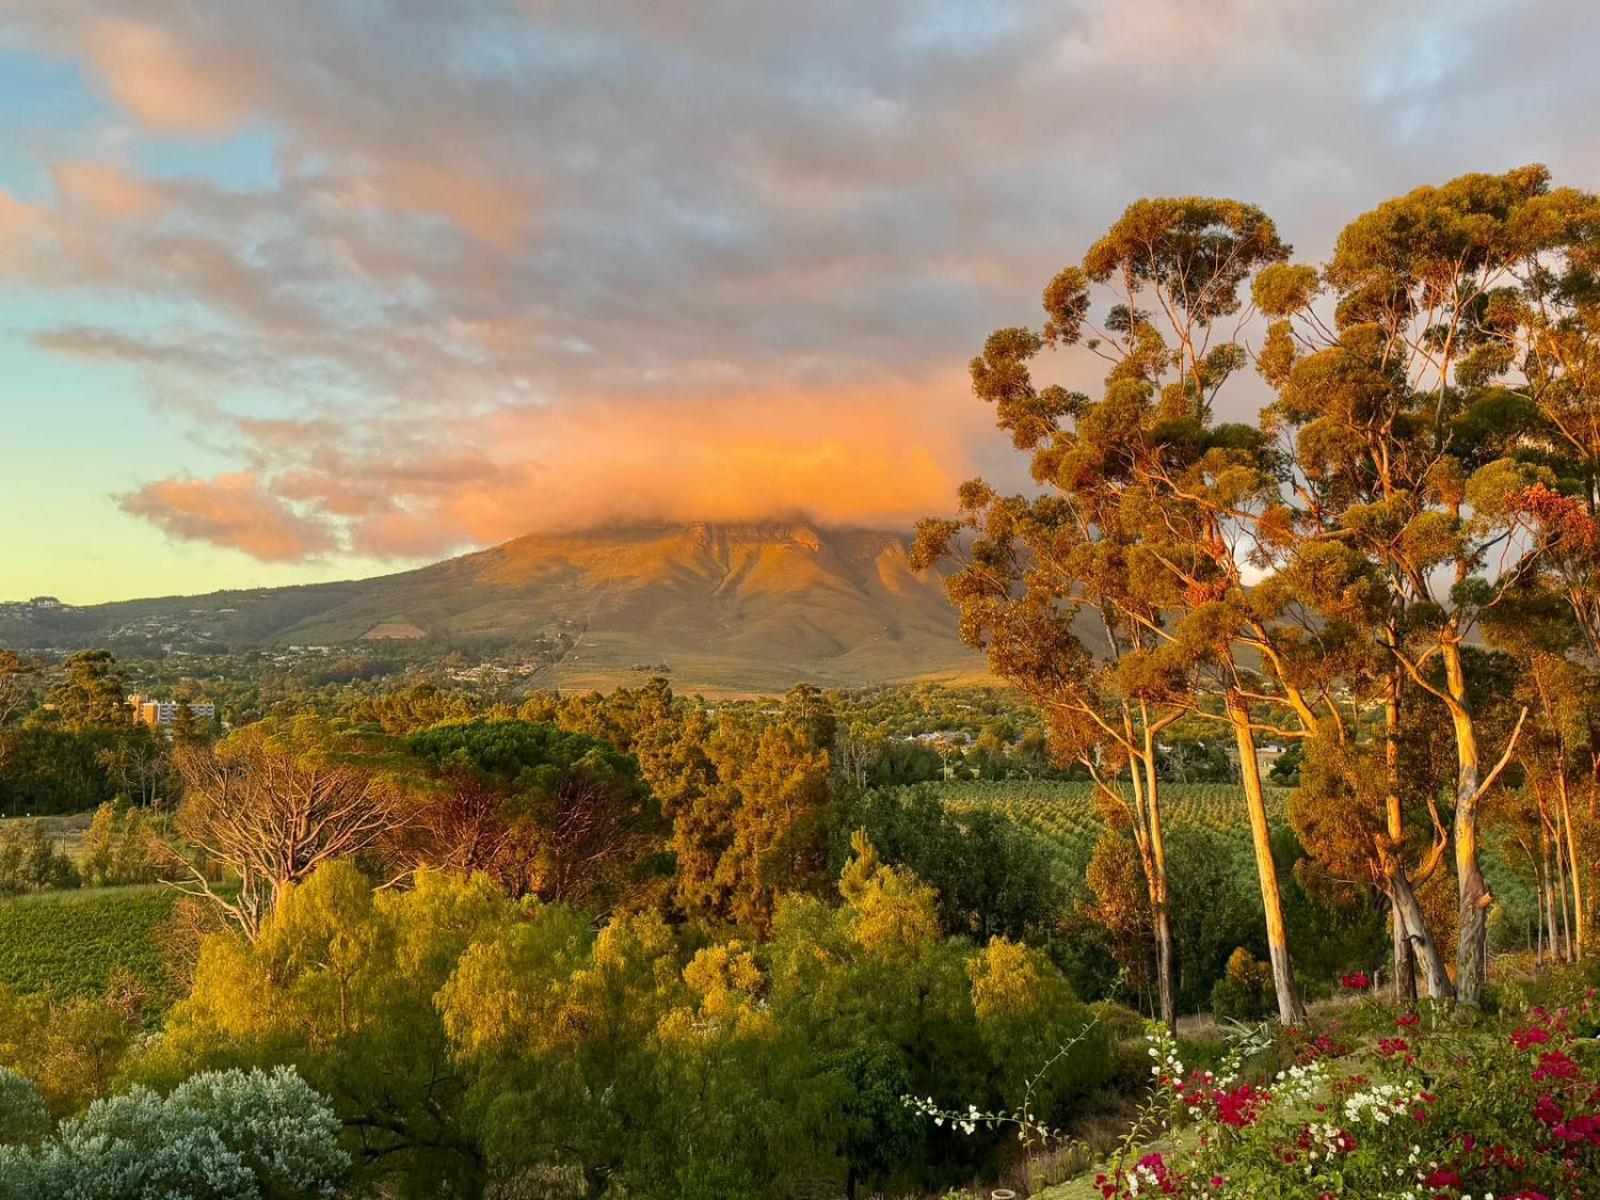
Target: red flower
1553, 1064
1240, 1107
1547, 1110
1530, 1036
1392, 1047
1356, 981
1443, 1177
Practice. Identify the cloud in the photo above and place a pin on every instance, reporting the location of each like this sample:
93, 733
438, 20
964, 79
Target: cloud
511, 265
105, 190
159, 79
232, 511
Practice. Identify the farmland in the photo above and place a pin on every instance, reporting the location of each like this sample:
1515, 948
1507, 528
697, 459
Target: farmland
1067, 817
74, 943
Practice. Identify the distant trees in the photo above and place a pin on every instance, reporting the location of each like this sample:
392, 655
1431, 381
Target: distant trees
93, 695
750, 796
72, 744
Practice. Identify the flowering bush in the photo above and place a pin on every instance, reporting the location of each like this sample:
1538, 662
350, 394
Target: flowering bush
1428, 1110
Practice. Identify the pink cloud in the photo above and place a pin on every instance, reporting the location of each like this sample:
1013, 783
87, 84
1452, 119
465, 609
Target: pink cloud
231, 510
105, 189
155, 77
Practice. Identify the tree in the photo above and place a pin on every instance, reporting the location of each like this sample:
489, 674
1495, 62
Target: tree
1413, 418
93, 694
562, 816
15, 676
275, 800
139, 762
781, 815
1037, 573
341, 981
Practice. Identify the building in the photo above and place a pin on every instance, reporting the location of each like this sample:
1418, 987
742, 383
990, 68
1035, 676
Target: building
161, 713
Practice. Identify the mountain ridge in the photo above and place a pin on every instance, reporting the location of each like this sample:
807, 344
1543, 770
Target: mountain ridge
722, 605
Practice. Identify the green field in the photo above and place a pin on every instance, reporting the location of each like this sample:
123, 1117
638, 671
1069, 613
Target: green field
1066, 815
71, 943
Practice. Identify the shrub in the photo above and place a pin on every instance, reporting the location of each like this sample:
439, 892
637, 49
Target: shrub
1431, 1107
30, 862
22, 1113
1245, 992
223, 1135
125, 845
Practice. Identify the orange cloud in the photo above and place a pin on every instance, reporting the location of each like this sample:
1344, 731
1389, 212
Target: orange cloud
230, 510
884, 454
881, 454
105, 189
152, 75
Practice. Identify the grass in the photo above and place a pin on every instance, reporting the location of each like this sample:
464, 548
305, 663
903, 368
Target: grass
73, 943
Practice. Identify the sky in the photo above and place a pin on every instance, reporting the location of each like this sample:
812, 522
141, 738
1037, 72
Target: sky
316, 289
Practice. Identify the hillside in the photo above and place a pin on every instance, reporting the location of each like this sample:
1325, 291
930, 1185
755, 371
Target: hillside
735, 607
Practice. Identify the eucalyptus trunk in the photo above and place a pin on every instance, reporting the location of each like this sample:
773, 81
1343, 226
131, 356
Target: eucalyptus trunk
1291, 1011
1472, 890
1580, 916
1152, 845
1413, 942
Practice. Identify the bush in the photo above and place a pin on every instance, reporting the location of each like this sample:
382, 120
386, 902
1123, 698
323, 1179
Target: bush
125, 845
223, 1135
1429, 1107
30, 862
1245, 992
22, 1113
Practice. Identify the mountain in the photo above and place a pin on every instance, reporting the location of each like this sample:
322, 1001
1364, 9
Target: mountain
750, 607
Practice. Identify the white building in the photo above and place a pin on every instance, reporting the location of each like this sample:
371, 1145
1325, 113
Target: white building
158, 713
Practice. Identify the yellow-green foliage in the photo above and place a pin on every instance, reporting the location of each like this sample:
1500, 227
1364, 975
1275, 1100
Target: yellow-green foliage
70, 1050
460, 1032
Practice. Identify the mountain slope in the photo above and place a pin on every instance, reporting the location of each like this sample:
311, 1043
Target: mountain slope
738, 607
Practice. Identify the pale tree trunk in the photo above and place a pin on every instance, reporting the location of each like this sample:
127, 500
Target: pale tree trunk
1405, 962
1414, 944
1158, 853
1153, 858
1290, 1009
1474, 898
1579, 914
1561, 889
